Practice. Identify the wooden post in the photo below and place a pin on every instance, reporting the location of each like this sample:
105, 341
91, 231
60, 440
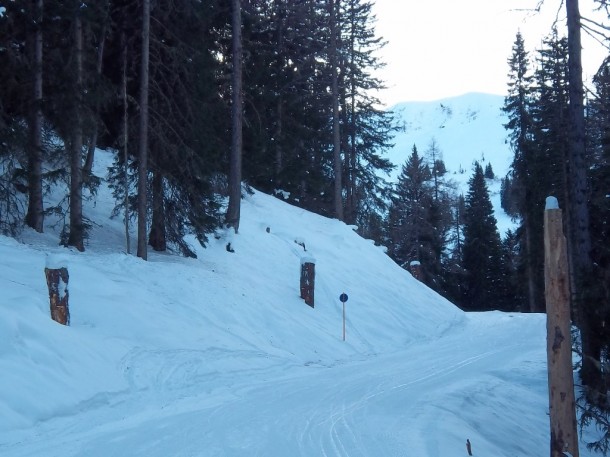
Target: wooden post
57, 276
308, 276
562, 410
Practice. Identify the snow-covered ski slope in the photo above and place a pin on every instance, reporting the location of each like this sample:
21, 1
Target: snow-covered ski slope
219, 356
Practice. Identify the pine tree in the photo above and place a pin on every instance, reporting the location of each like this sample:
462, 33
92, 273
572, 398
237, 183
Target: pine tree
454, 275
21, 148
368, 130
547, 166
410, 229
598, 284
188, 131
482, 248
518, 106
489, 173
288, 114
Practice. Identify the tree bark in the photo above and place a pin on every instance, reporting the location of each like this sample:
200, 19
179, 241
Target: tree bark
235, 172
308, 280
35, 215
57, 283
157, 239
143, 141
529, 268
125, 140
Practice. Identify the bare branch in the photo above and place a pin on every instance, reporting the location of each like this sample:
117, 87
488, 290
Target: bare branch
595, 23
598, 36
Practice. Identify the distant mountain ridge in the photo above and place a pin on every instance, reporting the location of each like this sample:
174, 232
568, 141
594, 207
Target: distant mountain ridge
466, 128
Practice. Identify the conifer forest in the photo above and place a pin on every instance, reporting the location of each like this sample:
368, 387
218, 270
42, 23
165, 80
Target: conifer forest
199, 100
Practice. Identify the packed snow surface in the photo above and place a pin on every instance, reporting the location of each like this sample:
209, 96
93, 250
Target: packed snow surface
219, 356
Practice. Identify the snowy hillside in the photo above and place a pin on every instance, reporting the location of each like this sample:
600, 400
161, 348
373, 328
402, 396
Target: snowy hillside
467, 128
218, 356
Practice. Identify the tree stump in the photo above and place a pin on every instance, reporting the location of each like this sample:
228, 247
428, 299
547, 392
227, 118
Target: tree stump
308, 276
57, 282
415, 269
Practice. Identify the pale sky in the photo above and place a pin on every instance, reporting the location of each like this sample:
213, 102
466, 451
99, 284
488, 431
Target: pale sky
443, 48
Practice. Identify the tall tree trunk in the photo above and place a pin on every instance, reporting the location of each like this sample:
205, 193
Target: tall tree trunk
143, 140
35, 215
351, 204
280, 99
338, 187
125, 140
93, 138
579, 192
529, 268
157, 239
76, 237
233, 210
278, 141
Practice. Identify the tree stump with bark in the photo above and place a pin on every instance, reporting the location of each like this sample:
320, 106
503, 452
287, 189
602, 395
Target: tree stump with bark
57, 282
415, 269
308, 276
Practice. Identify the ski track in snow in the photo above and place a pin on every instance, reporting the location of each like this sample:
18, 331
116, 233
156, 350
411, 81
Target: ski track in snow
343, 410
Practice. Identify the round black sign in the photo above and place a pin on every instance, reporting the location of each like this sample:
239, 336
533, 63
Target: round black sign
343, 297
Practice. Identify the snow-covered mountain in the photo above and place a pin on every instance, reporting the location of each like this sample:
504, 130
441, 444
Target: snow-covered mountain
466, 129
219, 356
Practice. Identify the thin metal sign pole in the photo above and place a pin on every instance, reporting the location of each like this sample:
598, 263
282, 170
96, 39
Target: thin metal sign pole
343, 298
343, 321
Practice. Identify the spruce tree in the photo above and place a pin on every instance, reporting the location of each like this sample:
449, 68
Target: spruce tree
410, 229
489, 173
21, 149
368, 130
519, 187
189, 131
598, 290
454, 275
482, 248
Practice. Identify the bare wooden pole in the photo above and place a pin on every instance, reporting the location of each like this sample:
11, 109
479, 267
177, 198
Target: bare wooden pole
562, 410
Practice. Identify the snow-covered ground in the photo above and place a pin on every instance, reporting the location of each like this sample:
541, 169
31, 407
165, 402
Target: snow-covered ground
219, 356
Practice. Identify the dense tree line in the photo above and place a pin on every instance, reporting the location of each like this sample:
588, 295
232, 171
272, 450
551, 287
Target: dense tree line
197, 97
543, 136
159, 83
